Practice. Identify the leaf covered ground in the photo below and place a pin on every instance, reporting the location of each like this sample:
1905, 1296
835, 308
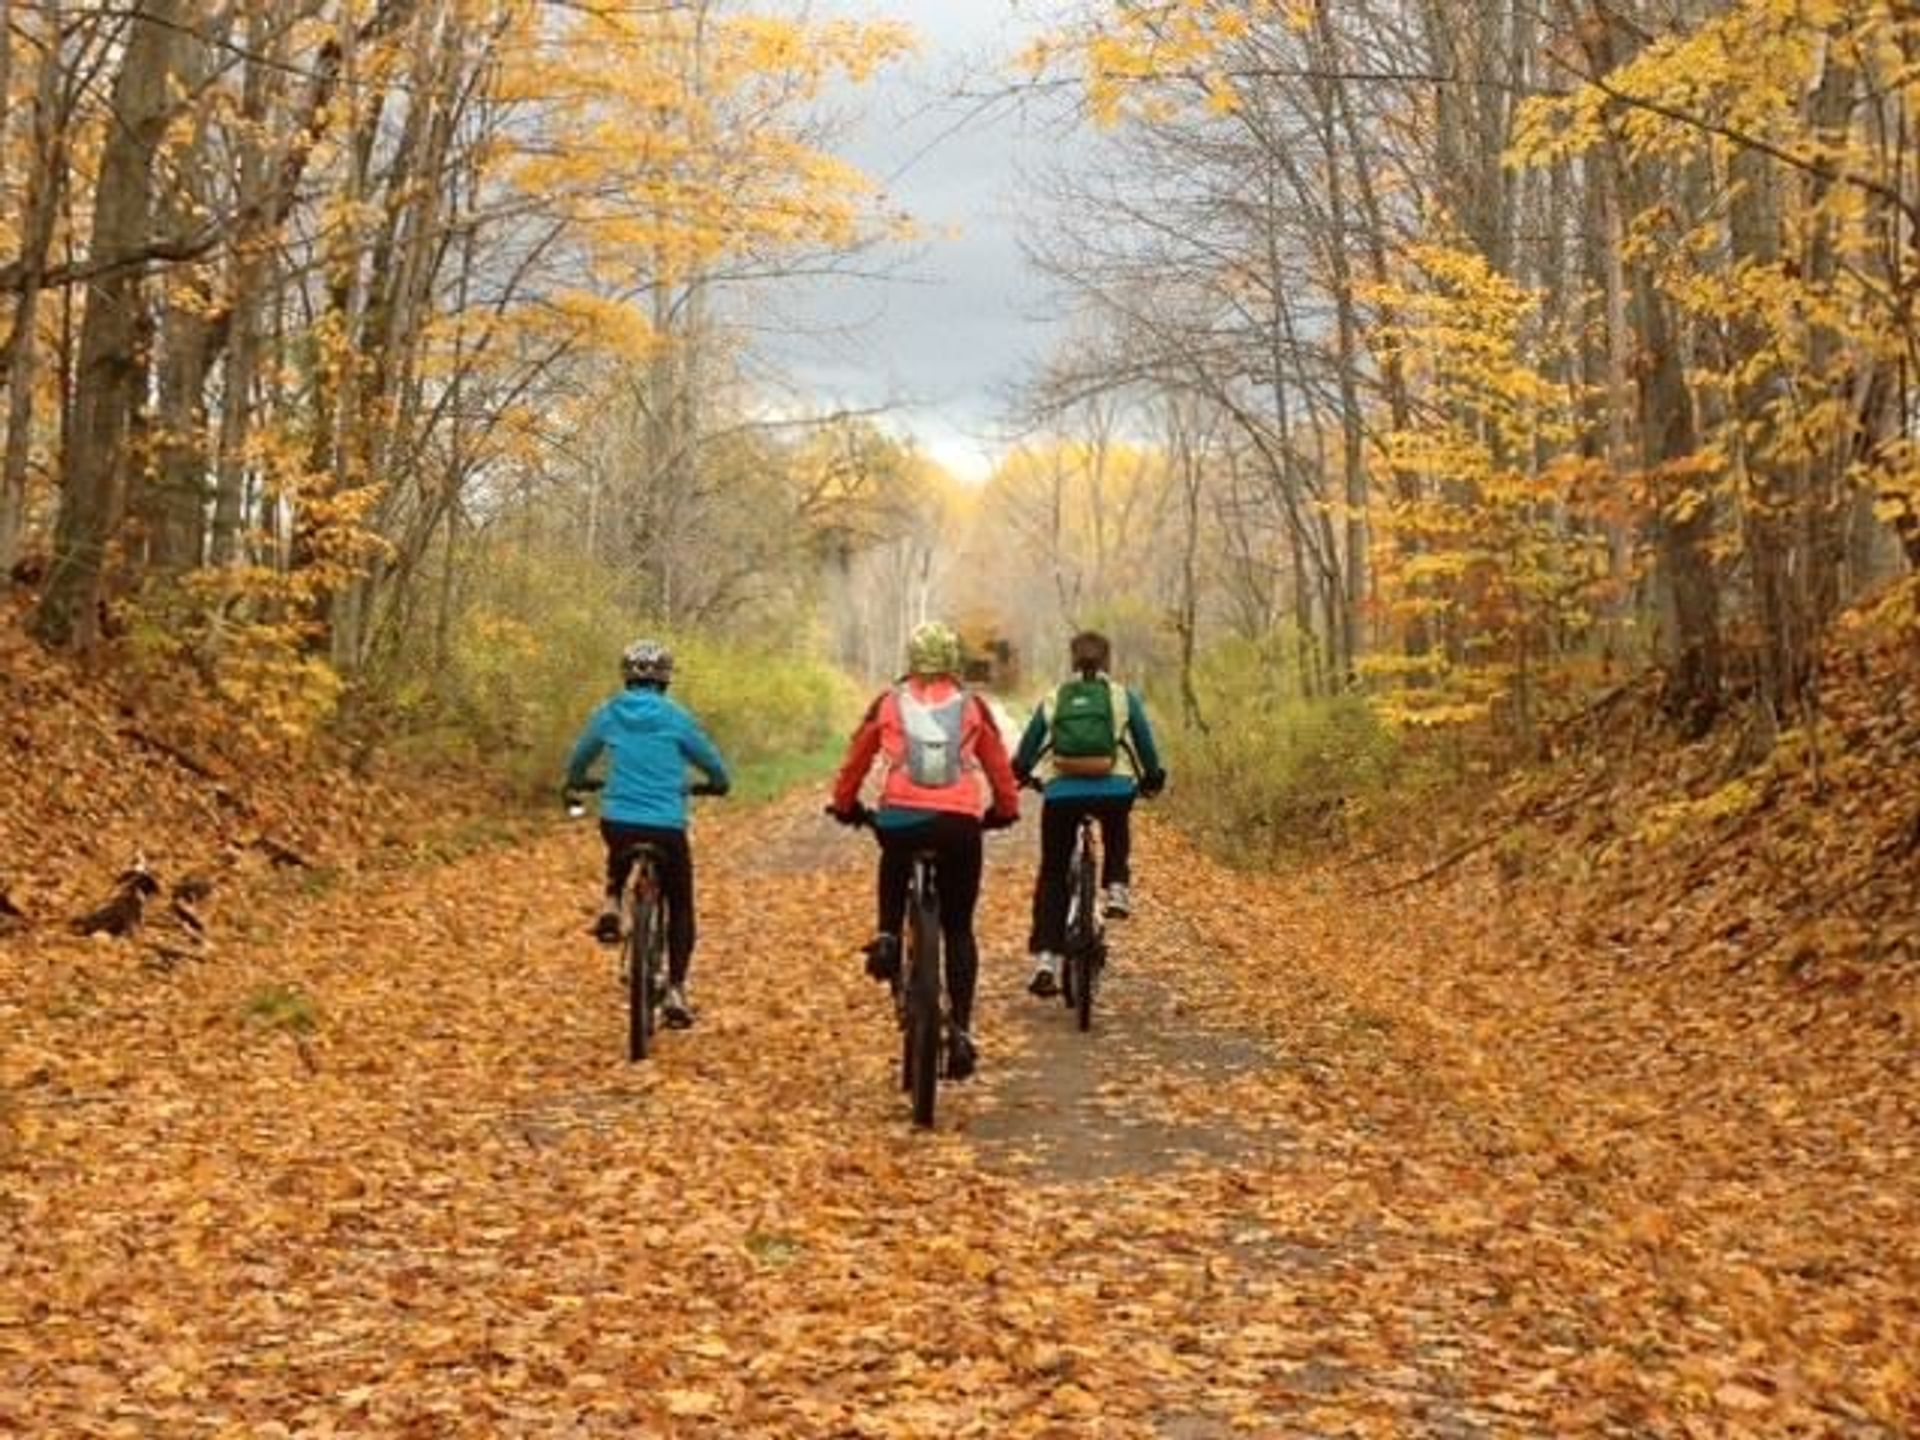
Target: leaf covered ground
1336, 1164
1609, 1128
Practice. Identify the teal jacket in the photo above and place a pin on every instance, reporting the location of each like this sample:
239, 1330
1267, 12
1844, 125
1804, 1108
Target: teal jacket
1124, 781
650, 741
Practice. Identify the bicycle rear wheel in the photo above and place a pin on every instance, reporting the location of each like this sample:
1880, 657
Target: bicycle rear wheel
921, 1068
644, 939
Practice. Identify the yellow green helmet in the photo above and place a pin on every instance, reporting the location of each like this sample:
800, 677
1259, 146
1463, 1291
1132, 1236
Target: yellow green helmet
933, 649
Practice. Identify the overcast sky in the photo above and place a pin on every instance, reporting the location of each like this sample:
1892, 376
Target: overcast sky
962, 320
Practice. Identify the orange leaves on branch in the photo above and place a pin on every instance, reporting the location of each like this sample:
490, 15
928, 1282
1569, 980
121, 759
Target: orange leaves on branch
1476, 554
672, 139
1144, 61
1790, 276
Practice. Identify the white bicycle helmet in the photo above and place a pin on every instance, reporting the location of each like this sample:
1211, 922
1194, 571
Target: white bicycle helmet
647, 662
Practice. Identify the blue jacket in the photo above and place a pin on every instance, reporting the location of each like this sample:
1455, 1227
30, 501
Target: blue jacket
650, 741
1138, 738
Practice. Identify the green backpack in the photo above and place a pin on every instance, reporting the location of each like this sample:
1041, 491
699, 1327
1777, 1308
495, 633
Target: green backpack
1088, 719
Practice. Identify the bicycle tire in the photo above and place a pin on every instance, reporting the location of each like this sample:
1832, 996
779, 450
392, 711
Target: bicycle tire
1070, 935
643, 941
906, 1038
1069, 961
922, 1040
1083, 939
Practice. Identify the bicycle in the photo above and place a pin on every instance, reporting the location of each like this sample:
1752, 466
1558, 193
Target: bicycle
643, 932
1084, 957
918, 1005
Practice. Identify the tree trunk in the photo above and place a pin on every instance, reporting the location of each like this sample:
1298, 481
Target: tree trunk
1772, 498
1683, 528
109, 368
171, 508
247, 270
1352, 419
1683, 524
45, 184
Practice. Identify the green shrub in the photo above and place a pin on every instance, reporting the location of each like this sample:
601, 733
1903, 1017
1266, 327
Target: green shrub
537, 647
1273, 771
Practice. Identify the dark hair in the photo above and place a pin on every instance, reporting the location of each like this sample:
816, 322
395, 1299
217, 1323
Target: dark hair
1090, 651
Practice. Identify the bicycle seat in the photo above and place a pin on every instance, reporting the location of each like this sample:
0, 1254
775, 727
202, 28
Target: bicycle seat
638, 849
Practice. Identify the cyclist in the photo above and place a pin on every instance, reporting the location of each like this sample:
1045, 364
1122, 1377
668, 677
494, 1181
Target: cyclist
937, 740
650, 741
1098, 743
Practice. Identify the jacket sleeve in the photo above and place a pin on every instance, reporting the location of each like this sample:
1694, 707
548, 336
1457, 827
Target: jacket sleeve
1033, 742
703, 754
1144, 748
992, 751
587, 748
859, 759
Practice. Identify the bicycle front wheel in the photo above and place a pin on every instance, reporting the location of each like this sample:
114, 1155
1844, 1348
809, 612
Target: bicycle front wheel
922, 1040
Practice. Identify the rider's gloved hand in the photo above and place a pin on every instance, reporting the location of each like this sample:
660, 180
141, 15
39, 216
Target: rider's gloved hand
854, 814
1152, 783
715, 788
1000, 820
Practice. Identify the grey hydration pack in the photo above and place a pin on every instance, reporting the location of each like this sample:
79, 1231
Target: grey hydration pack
933, 734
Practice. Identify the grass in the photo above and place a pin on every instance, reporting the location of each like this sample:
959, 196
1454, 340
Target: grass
319, 879
774, 1248
758, 782
768, 779
282, 1007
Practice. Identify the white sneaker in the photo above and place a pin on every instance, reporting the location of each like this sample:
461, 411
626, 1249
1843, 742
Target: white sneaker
1119, 904
1046, 974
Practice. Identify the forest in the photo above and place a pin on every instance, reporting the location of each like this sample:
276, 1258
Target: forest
1486, 430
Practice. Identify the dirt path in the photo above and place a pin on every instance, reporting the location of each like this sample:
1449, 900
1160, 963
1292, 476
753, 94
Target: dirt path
377, 1169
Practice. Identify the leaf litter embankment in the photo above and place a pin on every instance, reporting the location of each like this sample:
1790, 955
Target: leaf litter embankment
1346, 1167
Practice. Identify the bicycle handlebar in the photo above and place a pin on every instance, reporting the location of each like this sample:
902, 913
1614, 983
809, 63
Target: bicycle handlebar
570, 794
1146, 790
861, 818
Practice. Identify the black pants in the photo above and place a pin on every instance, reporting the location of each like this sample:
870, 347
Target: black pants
955, 842
676, 883
1059, 822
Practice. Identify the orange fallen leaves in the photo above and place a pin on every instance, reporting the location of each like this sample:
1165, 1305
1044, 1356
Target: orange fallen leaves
1329, 1164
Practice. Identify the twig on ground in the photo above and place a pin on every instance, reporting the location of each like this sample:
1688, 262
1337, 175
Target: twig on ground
284, 855
121, 914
